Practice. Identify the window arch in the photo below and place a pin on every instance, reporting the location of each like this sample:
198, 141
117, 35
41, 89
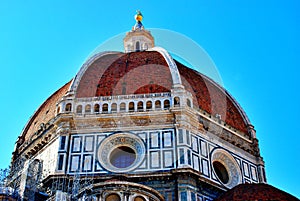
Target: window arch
97, 108
149, 105
140, 106
166, 104
113, 197
105, 108
79, 109
176, 101
87, 108
122, 107
114, 107
158, 104
137, 46
131, 107
68, 107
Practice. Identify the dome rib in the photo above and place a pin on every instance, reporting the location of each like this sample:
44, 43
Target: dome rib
171, 63
86, 65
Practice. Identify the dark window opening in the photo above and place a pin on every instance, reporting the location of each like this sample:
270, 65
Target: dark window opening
88, 109
221, 172
149, 105
181, 156
137, 46
62, 142
176, 101
157, 104
97, 108
69, 107
79, 109
105, 108
166, 104
140, 106
60, 162
131, 107
122, 157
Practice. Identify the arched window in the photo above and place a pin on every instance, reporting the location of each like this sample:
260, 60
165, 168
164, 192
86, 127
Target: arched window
114, 107
131, 107
105, 108
140, 106
68, 107
113, 197
166, 104
79, 109
122, 107
157, 104
188, 102
176, 101
139, 198
87, 109
149, 105
137, 46
96, 108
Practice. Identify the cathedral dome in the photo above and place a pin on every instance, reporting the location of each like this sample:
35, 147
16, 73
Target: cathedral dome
137, 121
154, 71
147, 72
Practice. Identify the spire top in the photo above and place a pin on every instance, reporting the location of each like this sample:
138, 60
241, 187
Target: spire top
138, 39
138, 17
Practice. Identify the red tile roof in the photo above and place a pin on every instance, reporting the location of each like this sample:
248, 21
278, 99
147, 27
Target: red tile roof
259, 192
45, 112
147, 72
141, 73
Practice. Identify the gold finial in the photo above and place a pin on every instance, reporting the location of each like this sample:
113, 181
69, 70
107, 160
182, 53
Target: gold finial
138, 17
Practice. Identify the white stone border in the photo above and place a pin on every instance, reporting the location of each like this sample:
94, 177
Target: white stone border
233, 169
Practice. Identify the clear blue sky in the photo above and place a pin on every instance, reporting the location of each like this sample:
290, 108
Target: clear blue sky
254, 44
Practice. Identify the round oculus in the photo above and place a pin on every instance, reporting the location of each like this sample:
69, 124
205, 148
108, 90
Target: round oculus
225, 168
121, 152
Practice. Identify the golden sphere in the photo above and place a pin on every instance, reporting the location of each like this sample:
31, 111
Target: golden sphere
138, 17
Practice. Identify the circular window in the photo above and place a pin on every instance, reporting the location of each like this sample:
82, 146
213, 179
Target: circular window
113, 197
225, 168
221, 172
122, 157
139, 198
121, 152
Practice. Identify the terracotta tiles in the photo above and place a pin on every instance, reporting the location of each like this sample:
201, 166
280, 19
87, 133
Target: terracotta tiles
45, 112
147, 72
259, 192
142, 73
211, 98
